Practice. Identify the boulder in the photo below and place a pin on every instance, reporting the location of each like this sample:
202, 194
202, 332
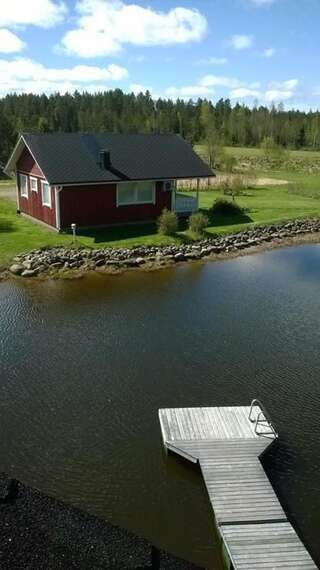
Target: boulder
193, 255
56, 265
16, 269
179, 257
29, 273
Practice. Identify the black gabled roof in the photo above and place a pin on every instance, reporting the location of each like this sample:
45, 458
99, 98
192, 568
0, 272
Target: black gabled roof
69, 158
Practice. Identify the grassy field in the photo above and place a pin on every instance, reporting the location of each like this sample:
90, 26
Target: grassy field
300, 198
241, 152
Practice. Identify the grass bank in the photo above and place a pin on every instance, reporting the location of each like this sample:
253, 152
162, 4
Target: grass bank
262, 206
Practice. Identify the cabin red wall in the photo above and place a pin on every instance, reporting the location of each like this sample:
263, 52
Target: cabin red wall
97, 205
27, 165
33, 204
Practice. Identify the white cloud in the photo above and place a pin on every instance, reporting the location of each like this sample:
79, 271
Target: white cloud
43, 13
243, 92
274, 95
276, 91
188, 92
28, 76
239, 41
103, 27
268, 53
281, 90
290, 84
137, 88
219, 81
9, 42
213, 61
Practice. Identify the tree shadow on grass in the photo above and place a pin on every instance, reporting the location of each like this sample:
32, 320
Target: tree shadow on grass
127, 232
233, 219
6, 226
118, 233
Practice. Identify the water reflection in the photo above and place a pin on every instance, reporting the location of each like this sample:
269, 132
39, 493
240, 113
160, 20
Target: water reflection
85, 366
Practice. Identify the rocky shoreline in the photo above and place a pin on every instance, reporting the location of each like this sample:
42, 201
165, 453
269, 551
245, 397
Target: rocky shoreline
64, 262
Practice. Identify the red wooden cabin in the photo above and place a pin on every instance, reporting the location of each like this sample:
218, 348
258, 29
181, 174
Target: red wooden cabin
97, 180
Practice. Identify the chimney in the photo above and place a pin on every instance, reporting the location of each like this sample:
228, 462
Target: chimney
105, 160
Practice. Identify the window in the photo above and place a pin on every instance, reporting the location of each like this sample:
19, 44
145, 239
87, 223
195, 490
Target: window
33, 184
135, 193
46, 194
23, 179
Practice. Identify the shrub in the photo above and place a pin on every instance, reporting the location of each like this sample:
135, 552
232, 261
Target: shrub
197, 223
167, 223
236, 185
233, 186
224, 207
227, 162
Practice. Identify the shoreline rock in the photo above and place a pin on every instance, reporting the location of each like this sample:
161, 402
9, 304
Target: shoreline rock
62, 260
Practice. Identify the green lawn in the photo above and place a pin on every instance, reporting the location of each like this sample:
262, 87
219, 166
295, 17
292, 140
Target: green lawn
263, 205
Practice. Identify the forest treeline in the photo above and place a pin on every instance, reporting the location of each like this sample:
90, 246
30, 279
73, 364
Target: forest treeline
115, 111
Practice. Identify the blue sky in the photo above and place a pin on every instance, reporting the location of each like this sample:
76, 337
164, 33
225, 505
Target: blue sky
247, 50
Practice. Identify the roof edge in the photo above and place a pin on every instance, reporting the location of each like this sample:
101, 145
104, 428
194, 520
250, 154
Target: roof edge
156, 179
15, 155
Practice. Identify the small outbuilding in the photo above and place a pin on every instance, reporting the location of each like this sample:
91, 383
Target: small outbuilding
102, 179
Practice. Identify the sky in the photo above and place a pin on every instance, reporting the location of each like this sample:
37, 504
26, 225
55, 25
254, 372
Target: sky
264, 51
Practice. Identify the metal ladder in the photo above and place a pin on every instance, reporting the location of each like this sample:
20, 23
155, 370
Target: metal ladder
262, 420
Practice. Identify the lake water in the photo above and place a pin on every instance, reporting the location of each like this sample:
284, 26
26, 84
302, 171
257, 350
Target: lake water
86, 364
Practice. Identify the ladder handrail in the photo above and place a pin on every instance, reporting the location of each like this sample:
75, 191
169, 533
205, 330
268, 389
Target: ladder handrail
261, 418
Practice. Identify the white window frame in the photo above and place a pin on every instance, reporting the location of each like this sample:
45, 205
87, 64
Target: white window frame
25, 178
49, 205
136, 202
33, 179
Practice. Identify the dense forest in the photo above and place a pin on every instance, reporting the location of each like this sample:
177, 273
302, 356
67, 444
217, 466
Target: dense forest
115, 111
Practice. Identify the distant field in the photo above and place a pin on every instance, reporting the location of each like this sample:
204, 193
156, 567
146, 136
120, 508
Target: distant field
301, 154
241, 152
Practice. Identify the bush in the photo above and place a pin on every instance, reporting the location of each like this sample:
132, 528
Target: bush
167, 223
224, 207
197, 224
236, 185
233, 186
227, 162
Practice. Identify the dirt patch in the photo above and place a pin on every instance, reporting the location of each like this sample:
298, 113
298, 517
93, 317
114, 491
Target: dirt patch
270, 182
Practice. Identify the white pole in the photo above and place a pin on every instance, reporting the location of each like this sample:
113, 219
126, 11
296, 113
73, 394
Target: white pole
74, 227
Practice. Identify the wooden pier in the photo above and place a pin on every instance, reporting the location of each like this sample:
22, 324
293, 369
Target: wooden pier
227, 442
